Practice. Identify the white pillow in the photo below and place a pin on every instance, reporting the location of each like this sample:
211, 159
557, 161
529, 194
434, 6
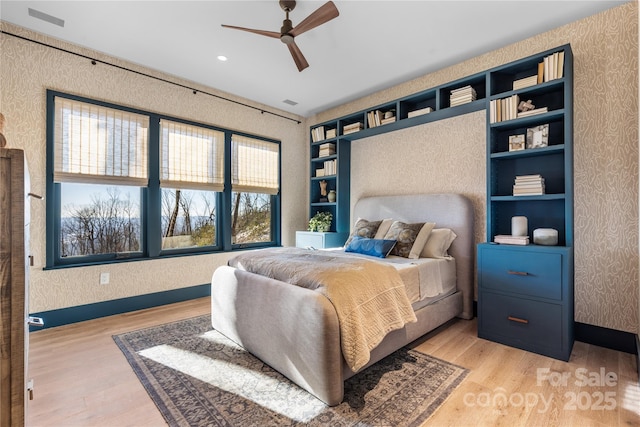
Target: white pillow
421, 239
438, 243
383, 228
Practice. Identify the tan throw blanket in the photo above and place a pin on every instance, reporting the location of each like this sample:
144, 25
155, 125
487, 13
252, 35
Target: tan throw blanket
369, 296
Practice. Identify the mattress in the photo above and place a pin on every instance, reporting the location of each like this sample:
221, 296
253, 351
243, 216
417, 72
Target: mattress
426, 279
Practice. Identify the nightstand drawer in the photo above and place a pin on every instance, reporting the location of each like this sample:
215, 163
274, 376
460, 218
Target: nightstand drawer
537, 274
530, 325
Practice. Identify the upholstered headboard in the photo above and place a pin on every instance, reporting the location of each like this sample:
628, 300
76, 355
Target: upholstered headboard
452, 211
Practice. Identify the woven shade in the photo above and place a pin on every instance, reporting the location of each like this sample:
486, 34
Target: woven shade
254, 165
94, 144
192, 157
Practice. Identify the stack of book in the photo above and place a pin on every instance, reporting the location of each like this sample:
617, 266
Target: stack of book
353, 127
528, 185
377, 118
504, 109
389, 117
532, 112
419, 112
525, 82
331, 133
508, 239
551, 67
330, 167
327, 149
317, 134
462, 95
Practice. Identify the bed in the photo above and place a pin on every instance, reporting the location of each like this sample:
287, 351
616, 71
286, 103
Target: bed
296, 330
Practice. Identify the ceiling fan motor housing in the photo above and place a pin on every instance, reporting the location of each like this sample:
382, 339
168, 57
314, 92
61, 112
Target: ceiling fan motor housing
285, 37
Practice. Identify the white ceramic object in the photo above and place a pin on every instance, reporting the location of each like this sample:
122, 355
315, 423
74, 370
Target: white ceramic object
545, 236
519, 226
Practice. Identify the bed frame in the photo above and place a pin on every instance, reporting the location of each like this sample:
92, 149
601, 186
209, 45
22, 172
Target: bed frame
295, 330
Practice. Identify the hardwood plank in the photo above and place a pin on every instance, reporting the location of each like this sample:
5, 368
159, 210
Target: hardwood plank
82, 378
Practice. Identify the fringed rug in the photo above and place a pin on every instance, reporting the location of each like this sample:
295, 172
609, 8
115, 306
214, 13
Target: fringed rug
198, 377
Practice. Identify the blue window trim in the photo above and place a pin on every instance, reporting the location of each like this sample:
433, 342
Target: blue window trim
151, 204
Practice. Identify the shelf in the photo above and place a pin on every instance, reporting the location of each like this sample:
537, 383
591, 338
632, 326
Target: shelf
554, 161
524, 121
527, 198
324, 159
540, 88
530, 152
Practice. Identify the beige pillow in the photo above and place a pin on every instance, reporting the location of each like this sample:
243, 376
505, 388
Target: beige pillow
383, 228
405, 236
421, 240
438, 243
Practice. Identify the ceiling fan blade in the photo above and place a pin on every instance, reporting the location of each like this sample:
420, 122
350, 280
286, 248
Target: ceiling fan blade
272, 34
298, 57
323, 14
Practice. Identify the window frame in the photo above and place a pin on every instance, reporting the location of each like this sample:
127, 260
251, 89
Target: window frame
150, 198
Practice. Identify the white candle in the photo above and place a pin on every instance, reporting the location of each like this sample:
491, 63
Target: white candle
519, 226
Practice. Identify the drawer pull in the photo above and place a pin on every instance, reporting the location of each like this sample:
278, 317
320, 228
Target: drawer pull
518, 273
517, 319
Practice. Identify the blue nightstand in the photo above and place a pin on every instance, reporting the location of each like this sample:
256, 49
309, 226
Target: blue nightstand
320, 240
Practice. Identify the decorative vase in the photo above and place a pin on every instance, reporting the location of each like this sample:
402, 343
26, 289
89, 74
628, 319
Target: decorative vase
332, 196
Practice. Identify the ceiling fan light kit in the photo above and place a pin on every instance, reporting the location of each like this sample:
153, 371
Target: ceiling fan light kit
288, 32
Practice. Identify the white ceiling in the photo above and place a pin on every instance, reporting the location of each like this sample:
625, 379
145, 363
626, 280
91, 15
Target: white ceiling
372, 45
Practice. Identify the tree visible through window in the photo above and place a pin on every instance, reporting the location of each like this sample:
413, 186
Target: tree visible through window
125, 183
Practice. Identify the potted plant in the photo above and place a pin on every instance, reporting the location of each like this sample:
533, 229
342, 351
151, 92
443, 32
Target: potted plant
321, 222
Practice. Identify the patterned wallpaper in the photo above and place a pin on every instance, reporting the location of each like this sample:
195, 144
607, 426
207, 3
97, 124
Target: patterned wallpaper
426, 159
28, 70
605, 48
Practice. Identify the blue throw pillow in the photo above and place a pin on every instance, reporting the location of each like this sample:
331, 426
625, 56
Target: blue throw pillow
373, 247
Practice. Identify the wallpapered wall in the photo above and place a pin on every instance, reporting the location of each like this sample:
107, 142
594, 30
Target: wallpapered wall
28, 70
605, 48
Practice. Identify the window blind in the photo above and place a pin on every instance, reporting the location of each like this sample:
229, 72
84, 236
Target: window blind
94, 144
254, 165
192, 157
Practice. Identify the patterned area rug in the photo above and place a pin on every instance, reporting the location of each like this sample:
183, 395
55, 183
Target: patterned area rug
198, 377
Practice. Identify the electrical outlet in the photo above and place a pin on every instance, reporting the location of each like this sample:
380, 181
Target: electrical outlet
104, 278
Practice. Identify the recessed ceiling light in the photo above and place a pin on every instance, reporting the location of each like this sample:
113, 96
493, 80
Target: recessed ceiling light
222, 58
46, 17
290, 102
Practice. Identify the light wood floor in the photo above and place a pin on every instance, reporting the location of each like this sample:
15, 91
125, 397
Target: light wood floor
82, 378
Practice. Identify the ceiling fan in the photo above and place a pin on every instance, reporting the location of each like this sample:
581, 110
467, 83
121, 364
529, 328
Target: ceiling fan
288, 32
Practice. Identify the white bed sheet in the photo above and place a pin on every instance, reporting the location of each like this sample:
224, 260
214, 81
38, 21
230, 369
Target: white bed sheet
426, 279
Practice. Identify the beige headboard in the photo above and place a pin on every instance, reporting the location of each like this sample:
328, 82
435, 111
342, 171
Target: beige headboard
452, 211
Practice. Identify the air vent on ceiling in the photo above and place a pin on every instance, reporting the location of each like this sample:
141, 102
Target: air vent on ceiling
290, 102
46, 17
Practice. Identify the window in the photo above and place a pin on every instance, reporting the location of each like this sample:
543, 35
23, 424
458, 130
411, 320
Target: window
254, 179
191, 172
128, 184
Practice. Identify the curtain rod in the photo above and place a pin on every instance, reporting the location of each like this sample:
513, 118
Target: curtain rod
94, 61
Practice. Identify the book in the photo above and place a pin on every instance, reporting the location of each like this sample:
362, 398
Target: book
525, 82
330, 133
354, 127
388, 120
511, 240
540, 72
419, 112
317, 134
532, 112
560, 64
